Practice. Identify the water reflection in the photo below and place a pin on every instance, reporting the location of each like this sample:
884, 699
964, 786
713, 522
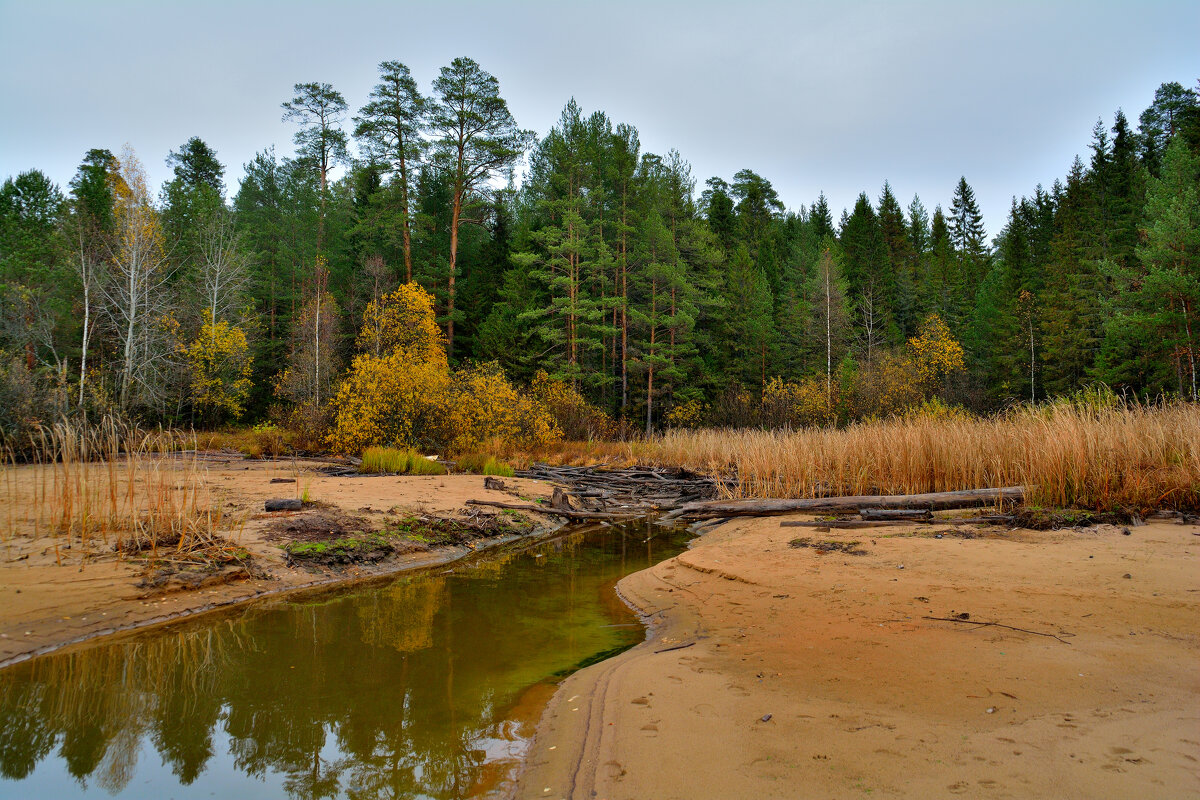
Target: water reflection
427, 686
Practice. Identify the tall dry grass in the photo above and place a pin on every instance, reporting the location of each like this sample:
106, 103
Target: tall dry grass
111, 486
1129, 456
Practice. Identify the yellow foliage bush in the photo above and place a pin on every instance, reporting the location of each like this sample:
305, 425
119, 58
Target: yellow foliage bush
934, 353
484, 405
687, 415
391, 401
575, 416
220, 365
802, 404
406, 396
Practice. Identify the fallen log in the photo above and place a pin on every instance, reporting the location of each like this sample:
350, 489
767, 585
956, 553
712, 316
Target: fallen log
895, 513
282, 504
562, 512
842, 524
933, 501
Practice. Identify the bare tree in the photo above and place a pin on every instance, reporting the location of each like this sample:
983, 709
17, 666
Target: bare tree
224, 268
828, 301
89, 269
136, 297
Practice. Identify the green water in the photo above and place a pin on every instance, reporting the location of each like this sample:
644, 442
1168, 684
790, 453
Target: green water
428, 685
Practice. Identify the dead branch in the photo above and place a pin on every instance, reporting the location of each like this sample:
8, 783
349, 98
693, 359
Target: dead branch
996, 625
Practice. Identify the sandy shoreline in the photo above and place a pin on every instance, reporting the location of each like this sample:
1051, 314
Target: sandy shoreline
51, 596
801, 674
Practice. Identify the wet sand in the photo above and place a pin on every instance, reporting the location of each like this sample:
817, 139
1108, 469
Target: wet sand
776, 671
52, 594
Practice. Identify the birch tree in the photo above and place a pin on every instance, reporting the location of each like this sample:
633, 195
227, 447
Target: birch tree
137, 297
224, 267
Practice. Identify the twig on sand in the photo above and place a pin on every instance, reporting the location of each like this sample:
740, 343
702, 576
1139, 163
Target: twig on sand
676, 647
997, 625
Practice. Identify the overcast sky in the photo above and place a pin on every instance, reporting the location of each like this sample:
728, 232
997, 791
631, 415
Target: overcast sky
814, 96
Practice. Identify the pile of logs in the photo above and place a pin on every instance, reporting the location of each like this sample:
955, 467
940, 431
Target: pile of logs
606, 493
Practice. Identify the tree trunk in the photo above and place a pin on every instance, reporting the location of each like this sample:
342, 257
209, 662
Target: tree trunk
405, 231
455, 214
933, 501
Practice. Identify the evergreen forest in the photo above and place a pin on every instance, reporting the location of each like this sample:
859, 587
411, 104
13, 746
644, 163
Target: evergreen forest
574, 259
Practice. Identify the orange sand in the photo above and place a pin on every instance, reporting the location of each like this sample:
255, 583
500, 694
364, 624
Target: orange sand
813, 675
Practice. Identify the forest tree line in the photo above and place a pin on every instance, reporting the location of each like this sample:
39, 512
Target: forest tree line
661, 300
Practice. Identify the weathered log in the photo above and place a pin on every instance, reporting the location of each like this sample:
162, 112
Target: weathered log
494, 483
282, 504
847, 524
895, 513
561, 512
933, 501
995, 519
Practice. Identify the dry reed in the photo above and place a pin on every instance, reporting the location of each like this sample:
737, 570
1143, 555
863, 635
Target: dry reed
1125, 457
112, 485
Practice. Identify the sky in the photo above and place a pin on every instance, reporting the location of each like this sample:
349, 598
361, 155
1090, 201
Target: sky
814, 96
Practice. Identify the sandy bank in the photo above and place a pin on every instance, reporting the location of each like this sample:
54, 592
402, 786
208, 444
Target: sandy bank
805, 674
52, 594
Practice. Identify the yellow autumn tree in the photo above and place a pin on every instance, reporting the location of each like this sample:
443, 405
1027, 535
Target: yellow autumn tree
403, 320
396, 390
220, 364
400, 391
934, 353
929, 359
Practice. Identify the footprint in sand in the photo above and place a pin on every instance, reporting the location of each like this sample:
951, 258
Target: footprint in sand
704, 710
650, 730
614, 771
640, 701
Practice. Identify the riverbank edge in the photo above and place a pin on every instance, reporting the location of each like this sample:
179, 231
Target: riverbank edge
448, 555
565, 745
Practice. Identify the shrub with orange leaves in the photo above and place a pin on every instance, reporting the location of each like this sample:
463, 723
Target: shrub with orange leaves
404, 395
574, 415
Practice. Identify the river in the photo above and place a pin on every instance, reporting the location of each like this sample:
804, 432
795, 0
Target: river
426, 685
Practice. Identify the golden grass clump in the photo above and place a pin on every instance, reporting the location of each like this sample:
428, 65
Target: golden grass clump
398, 461
112, 485
1104, 458
483, 464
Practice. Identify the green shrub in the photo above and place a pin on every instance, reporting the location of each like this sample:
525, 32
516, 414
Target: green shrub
482, 464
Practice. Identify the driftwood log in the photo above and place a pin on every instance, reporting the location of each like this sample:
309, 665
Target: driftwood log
841, 524
562, 512
993, 519
934, 501
282, 504
895, 513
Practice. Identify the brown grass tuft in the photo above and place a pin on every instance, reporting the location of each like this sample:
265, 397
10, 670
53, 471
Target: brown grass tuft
1124, 457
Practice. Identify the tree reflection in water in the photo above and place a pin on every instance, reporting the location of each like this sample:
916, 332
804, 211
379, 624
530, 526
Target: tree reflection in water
412, 688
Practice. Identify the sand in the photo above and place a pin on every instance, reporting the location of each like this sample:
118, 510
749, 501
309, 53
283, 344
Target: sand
52, 594
800, 674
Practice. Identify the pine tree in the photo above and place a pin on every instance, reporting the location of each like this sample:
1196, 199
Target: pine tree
390, 126
1152, 342
477, 138
320, 142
